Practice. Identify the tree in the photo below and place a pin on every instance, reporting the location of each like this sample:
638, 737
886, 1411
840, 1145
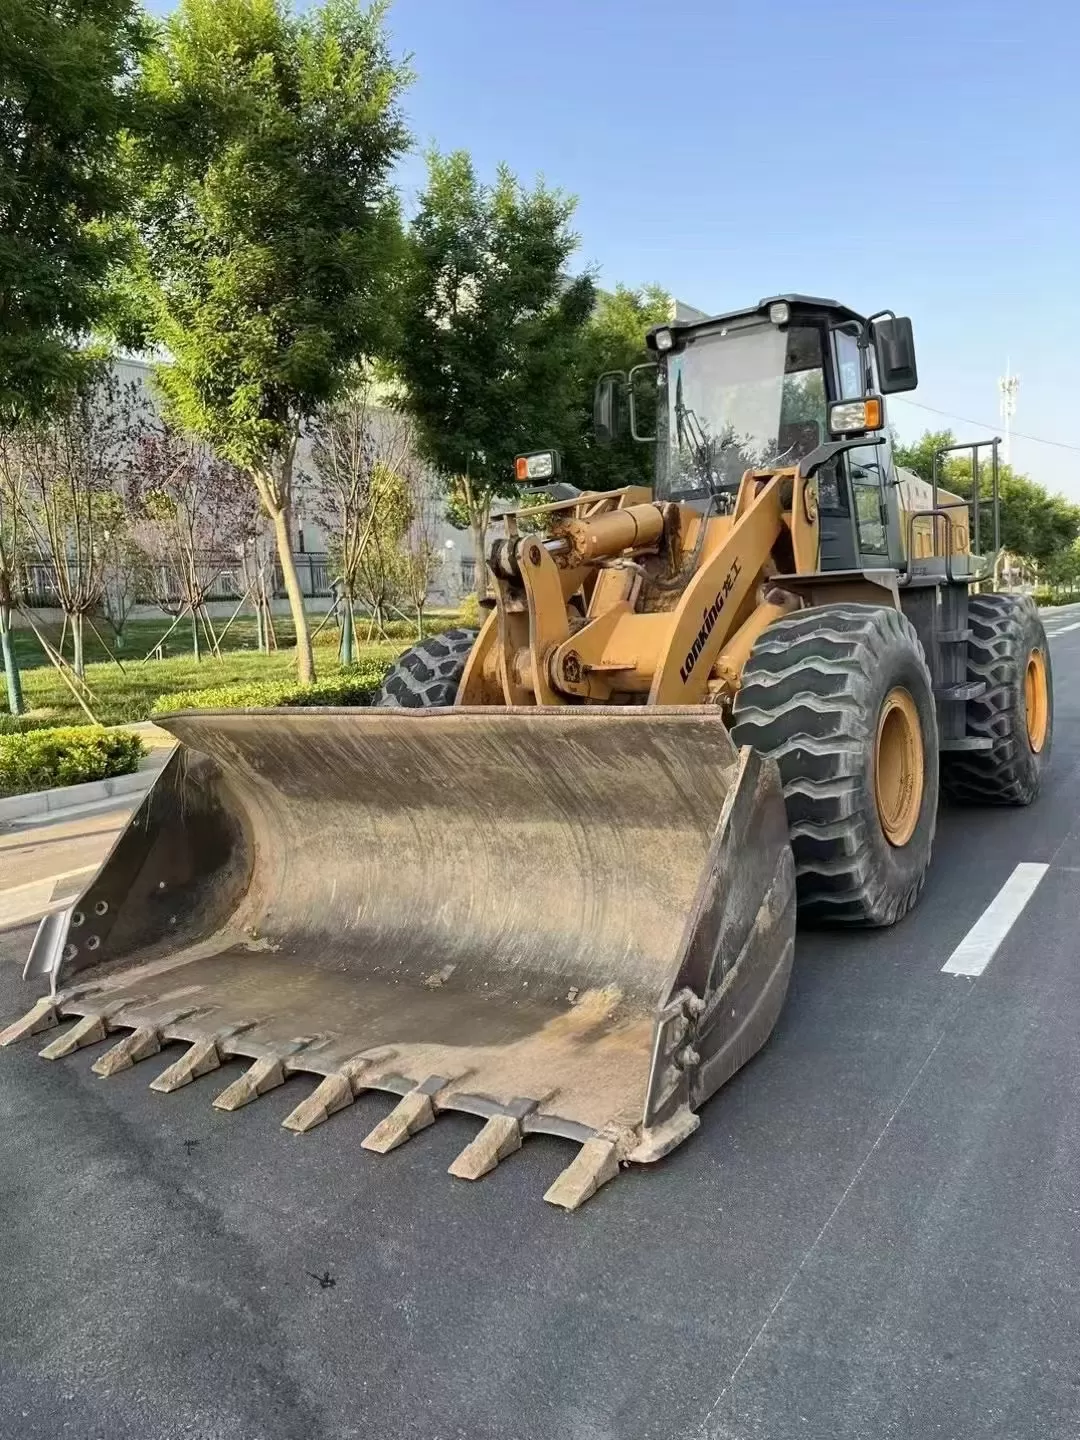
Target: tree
919, 456
64, 102
74, 468
125, 579
1063, 569
1034, 523
489, 330
356, 443
382, 569
614, 339
195, 512
268, 227
421, 552
12, 533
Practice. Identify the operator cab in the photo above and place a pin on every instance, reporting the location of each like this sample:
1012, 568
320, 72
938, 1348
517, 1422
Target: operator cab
758, 389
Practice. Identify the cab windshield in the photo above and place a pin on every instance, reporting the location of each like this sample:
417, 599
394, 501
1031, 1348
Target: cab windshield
749, 395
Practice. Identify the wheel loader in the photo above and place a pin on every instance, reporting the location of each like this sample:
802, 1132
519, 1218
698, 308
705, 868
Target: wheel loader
551, 878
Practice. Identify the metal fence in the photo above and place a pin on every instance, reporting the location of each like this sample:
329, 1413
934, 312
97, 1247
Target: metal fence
223, 577
313, 569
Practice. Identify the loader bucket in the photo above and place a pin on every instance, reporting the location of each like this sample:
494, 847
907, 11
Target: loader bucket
571, 920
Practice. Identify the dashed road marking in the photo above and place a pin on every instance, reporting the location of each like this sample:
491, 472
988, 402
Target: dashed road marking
981, 943
1062, 629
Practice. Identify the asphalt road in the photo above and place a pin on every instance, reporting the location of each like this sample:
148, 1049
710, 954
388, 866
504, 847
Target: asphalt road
874, 1234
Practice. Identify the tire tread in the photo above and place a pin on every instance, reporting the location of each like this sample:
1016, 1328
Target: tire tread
429, 674
805, 701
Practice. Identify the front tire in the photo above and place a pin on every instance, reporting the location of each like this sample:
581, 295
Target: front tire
429, 674
1009, 652
841, 698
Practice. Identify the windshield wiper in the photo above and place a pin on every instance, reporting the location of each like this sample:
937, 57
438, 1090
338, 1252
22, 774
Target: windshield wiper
688, 428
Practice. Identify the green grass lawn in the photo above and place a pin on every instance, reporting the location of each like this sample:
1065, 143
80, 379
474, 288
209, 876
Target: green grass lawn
141, 636
126, 695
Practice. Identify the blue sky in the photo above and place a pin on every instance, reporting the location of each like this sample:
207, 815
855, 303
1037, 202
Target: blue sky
914, 155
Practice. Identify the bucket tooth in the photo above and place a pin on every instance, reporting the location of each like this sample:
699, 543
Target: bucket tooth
44, 1016
265, 1074
412, 1113
139, 1045
333, 1093
88, 1031
199, 1059
500, 1137
595, 1164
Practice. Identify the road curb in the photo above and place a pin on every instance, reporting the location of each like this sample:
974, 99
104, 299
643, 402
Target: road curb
75, 797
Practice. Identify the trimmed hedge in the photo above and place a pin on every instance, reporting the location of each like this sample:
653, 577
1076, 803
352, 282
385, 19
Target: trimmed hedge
1046, 598
349, 687
44, 759
19, 724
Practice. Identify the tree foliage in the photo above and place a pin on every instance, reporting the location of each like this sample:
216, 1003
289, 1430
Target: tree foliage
65, 99
12, 554
490, 325
192, 514
268, 224
366, 478
614, 339
1034, 523
73, 468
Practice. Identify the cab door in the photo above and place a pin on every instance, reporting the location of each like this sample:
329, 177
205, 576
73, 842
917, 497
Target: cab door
870, 469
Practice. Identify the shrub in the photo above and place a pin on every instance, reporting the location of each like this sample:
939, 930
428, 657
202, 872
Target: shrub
1053, 597
17, 724
42, 759
357, 686
471, 615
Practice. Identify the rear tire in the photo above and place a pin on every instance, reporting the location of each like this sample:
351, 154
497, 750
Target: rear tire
1008, 650
429, 674
835, 694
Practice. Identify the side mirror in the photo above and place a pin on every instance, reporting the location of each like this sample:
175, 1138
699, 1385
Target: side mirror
606, 405
894, 349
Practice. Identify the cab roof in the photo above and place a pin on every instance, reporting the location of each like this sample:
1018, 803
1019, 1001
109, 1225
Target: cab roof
801, 302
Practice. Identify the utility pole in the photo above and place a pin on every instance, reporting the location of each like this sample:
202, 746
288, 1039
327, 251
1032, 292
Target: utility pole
1008, 385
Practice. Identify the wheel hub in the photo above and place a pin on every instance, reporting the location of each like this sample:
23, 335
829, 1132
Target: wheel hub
899, 768
1036, 700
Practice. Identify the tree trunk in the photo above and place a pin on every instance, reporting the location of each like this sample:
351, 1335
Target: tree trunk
419, 619
260, 622
77, 664
305, 660
479, 534
345, 650
195, 636
11, 666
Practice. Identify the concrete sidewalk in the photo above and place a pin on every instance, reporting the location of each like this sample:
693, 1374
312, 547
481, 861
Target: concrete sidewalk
52, 841
61, 801
44, 866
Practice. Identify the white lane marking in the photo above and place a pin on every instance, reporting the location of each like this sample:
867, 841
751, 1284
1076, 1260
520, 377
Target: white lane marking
1062, 630
981, 943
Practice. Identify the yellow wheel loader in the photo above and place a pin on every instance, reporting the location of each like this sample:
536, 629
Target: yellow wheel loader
551, 879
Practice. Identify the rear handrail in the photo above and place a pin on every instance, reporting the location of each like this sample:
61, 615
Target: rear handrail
972, 505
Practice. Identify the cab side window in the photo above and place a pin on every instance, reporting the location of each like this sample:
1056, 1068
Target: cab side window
864, 465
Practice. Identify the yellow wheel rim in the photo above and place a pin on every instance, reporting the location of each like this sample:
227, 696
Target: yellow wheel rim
1036, 700
899, 766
